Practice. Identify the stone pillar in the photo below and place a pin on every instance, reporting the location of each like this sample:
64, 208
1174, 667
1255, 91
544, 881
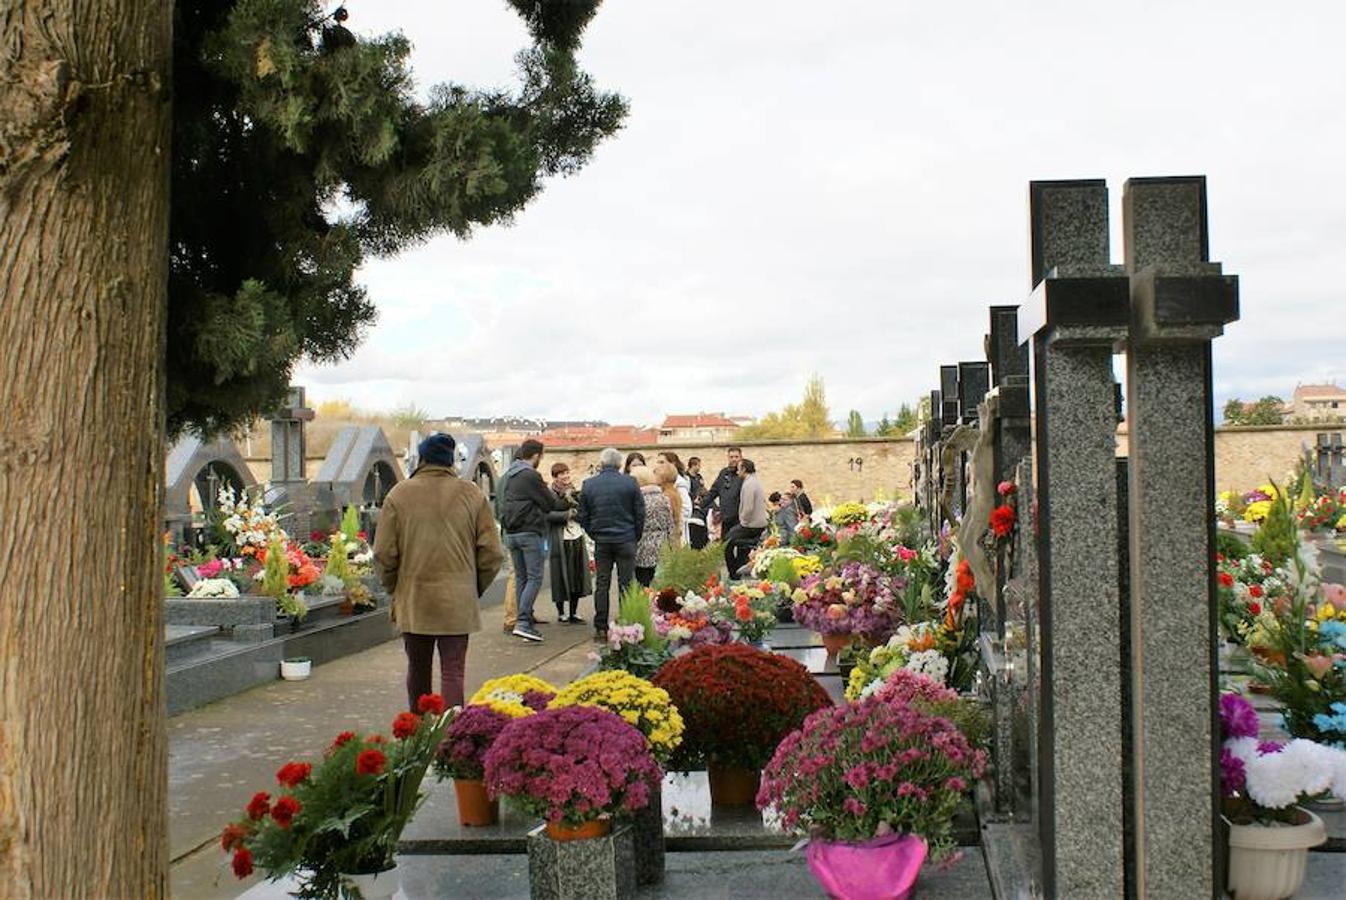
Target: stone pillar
1076, 316
1009, 376
1179, 301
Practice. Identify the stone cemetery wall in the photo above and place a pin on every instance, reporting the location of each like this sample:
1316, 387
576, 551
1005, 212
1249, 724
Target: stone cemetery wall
1245, 457
841, 469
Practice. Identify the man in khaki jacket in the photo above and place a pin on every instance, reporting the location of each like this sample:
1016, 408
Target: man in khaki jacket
437, 552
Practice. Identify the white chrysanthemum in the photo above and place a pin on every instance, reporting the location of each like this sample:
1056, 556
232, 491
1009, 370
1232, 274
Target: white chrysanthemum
930, 663
871, 687
213, 588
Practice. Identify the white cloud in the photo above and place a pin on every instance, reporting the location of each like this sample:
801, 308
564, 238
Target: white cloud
841, 188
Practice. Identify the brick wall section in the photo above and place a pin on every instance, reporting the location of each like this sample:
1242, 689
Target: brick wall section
1244, 458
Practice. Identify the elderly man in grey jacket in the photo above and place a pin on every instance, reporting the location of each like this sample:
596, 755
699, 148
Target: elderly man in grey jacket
752, 519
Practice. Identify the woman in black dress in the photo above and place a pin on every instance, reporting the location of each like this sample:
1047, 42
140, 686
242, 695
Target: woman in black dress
570, 578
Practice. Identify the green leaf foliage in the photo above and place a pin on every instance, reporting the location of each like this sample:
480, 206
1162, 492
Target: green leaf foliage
299, 149
683, 569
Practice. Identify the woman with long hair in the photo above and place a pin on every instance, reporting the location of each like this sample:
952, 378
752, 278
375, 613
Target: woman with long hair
683, 484
633, 459
660, 527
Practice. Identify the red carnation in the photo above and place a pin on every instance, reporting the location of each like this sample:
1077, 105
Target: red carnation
824, 538
405, 725
285, 810
293, 773
1005, 488
370, 762
1255, 590
1226, 580
343, 738
317, 537
966, 582
259, 805
1002, 520
232, 837
432, 704
242, 862
1255, 608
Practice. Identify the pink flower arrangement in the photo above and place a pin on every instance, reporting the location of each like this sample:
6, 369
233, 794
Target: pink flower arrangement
572, 765
859, 771
466, 741
857, 599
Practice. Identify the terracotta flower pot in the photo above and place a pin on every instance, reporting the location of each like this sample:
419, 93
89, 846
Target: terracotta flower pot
835, 643
1266, 862
732, 786
594, 828
474, 806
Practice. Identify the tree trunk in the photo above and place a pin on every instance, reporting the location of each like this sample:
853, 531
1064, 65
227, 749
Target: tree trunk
84, 165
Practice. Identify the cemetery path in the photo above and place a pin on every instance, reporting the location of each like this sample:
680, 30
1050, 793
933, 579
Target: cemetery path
220, 754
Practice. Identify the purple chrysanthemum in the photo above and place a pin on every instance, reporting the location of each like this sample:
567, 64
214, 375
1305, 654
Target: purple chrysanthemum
1237, 717
1232, 774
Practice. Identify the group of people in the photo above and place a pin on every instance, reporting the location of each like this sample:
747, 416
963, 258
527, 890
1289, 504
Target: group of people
438, 550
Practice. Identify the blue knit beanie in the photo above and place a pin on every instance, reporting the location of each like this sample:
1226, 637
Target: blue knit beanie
437, 450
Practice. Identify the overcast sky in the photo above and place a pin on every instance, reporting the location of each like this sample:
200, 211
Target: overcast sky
841, 188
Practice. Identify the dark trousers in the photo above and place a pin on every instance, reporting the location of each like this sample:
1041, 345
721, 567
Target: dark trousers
645, 575
697, 536
421, 659
623, 556
738, 543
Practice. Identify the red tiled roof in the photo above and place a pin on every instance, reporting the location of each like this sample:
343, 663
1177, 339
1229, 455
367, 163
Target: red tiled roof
1320, 390
699, 420
613, 435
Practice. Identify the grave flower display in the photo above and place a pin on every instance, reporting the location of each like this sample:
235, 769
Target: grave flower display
853, 776
1262, 782
572, 766
514, 695
738, 703
462, 757
751, 608
918, 648
214, 589
344, 815
640, 703
856, 599
245, 522
1246, 588
690, 620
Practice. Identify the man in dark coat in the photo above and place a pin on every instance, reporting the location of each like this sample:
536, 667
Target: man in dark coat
724, 492
613, 512
528, 504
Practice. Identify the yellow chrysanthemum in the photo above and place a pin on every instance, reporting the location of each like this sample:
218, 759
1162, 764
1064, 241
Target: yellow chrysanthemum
505, 694
806, 565
644, 706
849, 514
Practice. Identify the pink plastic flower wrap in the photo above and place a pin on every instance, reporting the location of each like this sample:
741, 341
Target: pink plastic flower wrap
882, 869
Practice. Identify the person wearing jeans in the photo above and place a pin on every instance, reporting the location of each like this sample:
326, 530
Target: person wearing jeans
744, 536
612, 511
436, 565
528, 505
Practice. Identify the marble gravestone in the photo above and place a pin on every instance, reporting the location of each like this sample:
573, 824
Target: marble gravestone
204, 467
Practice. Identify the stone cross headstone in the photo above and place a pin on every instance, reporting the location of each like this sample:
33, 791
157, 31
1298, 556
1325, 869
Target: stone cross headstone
1179, 302
289, 447
1330, 460
1076, 317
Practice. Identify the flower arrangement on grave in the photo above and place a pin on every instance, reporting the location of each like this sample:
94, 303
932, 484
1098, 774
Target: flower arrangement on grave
916, 648
275, 578
763, 559
640, 704
737, 703
684, 568
690, 620
246, 525
1300, 645
1005, 514
572, 765
752, 608
856, 599
466, 740
634, 645
848, 514
1257, 502
1262, 781
344, 815
1246, 588
357, 547
1325, 513
817, 540
865, 770
515, 695
214, 589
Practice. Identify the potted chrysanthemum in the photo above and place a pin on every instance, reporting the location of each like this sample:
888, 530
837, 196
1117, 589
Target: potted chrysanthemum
652, 713
1262, 783
335, 826
738, 703
462, 757
575, 767
875, 784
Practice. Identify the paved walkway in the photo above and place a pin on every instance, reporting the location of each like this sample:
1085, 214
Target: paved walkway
220, 754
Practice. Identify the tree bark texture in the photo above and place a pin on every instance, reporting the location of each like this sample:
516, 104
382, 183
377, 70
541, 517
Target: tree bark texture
84, 167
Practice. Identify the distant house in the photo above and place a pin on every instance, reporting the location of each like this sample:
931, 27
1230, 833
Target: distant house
697, 428
1318, 403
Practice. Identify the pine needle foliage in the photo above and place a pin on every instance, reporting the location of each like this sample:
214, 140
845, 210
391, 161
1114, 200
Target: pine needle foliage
300, 149
684, 569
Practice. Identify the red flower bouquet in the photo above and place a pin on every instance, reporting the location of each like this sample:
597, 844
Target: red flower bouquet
737, 703
370, 787
859, 771
572, 765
